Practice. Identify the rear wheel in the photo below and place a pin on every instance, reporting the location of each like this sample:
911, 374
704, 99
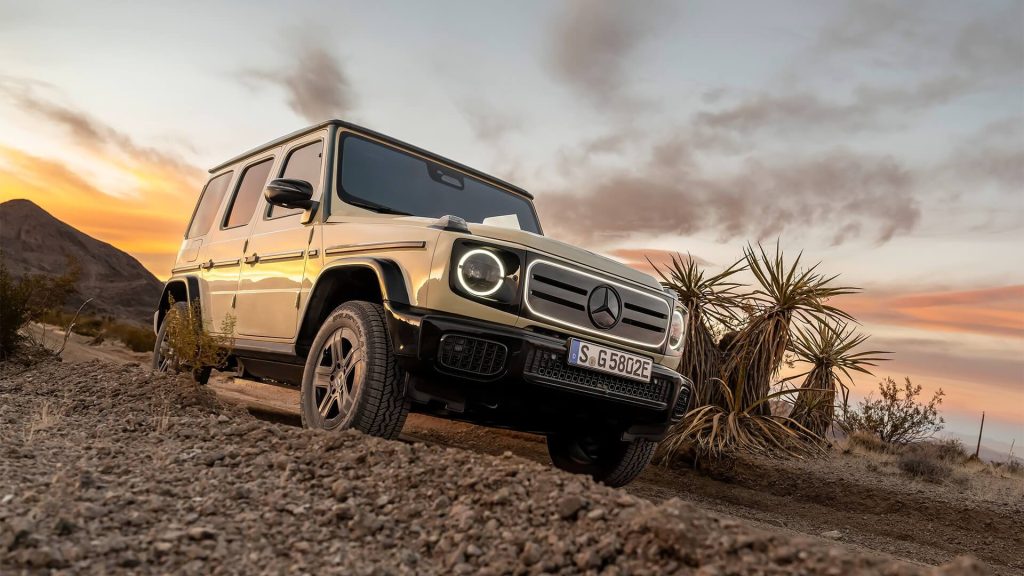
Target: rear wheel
604, 457
351, 378
165, 359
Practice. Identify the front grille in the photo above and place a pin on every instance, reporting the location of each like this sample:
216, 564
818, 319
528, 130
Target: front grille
472, 355
560, 294
548, 367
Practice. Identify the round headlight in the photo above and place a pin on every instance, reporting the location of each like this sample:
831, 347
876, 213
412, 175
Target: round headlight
677, 330
480, 272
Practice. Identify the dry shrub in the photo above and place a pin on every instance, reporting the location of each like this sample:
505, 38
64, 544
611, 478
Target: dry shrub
896, 417
867, 441
925, 464
195, 349
28, 298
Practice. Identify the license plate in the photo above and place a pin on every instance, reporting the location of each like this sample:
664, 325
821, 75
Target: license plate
609, 360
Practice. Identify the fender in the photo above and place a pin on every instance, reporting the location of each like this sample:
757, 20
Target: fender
187, 284
390, 281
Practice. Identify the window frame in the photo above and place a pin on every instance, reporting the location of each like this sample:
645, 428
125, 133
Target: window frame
238, 185
343, 195
230, 173
284, 166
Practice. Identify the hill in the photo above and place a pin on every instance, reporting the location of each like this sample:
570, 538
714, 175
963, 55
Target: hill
34, 242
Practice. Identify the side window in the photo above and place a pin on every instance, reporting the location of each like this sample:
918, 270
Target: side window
247, 195
209, 203
301, 164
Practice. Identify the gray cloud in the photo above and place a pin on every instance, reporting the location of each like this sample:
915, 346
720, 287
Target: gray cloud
593, 43
847, 195
86, 130
314, 81
952, 60
488, 124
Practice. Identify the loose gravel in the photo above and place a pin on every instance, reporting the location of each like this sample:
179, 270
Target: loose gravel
107, 468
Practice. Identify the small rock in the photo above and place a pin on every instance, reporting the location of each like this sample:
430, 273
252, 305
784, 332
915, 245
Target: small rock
832, 534
201, 533
531, 554
569, 506
595, 514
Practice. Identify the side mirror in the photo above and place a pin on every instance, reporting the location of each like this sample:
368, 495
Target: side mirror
292, 193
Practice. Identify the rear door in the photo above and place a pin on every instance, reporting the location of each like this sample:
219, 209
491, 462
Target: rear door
274, 262
226, 245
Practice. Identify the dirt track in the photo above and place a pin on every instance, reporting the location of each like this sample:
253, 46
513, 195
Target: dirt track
107, 468
915, 521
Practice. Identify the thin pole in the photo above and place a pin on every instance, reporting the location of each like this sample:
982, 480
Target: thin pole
980, 430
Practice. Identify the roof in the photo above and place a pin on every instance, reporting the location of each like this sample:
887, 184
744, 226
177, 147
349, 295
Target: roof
341, 123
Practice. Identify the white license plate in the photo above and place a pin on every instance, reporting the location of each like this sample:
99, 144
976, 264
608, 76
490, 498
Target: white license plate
609, 360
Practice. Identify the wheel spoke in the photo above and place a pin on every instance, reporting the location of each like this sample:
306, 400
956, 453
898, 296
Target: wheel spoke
337, 355
328, 400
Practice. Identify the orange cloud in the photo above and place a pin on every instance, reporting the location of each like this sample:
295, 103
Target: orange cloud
995, 311
147, 223
637, 258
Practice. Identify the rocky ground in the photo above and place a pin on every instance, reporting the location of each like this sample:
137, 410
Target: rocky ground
108, 468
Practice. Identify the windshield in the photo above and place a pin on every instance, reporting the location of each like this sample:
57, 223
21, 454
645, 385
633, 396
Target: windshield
383, 179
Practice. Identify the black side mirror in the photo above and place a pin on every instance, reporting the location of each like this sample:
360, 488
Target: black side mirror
292, 193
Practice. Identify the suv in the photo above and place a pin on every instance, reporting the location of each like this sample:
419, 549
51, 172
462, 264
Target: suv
382, 278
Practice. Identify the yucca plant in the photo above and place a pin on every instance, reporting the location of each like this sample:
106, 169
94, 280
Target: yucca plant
830, 350
712, 431
712, 306
785, 293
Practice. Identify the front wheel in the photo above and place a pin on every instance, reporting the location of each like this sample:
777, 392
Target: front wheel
603, 457
351, 378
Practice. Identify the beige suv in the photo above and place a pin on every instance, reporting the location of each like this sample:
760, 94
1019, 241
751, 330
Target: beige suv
380, 278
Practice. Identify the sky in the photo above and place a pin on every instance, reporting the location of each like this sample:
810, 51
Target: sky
882, 139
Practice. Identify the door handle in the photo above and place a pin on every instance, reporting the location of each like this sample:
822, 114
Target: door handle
252, 259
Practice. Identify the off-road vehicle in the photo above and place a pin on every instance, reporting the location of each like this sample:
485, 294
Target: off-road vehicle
380, 277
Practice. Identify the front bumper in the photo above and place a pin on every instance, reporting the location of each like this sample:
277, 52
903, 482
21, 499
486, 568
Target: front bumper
509, 376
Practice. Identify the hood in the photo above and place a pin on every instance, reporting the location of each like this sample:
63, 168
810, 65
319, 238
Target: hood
562, 250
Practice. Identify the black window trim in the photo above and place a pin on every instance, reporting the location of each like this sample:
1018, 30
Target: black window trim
199, 202
344, 196
231, 203
299, 145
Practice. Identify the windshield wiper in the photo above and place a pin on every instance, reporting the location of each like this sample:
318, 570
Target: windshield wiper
376, 207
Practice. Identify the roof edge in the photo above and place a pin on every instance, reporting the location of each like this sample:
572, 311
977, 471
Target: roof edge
355, 127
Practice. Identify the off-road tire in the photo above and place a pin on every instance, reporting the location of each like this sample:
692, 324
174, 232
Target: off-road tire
616, 463
380, 406
202, 375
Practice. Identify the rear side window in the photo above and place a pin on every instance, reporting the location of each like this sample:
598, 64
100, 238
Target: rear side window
243, 205
209, 203
302, 164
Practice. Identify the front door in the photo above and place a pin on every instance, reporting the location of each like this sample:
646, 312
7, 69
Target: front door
274, 262
225, 246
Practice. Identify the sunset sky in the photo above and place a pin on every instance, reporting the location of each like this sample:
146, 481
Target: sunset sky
884, 139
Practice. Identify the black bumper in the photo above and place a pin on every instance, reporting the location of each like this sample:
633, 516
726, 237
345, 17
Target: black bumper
498, 375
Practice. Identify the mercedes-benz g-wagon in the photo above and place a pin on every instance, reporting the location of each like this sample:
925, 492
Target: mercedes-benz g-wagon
382, 278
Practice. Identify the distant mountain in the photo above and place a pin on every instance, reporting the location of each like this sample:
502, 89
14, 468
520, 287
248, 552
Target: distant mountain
34, 242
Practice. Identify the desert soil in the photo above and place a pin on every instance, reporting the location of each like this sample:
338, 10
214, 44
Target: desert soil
106, 467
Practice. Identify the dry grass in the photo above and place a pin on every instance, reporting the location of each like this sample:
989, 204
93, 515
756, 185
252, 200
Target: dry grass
48, 415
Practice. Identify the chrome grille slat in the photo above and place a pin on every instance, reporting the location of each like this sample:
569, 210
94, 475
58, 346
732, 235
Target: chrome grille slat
558, 293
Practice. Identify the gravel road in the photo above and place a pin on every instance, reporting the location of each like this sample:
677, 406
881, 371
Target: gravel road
108, 468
